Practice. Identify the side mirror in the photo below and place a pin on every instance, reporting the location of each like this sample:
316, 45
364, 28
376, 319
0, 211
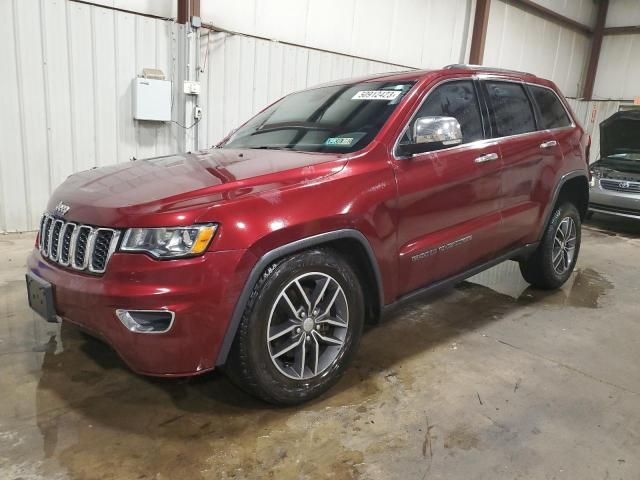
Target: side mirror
433, 133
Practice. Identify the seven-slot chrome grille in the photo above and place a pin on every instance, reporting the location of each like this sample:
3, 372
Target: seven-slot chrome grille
76, 246
620, 186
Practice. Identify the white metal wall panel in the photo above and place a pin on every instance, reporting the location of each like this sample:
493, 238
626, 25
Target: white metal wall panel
590, 114
243, 75
519, 40
416, 33
32, 116
583, 11
13, 210
68, 98
623, 13
618, 68
160, 8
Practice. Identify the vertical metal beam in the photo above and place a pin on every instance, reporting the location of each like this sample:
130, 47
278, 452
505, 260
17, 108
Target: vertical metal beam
188, 9
479, 34
183, 11
195, 8
188, 47
596, 45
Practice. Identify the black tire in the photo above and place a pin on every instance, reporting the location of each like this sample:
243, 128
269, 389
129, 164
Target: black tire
539, 269
250, 365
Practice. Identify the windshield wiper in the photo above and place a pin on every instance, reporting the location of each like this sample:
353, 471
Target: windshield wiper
269, 147
274, 127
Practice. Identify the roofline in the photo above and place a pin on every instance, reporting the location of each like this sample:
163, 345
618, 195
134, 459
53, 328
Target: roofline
483, 68
418, 74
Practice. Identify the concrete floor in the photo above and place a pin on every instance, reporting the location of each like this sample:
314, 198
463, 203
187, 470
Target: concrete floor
489, 380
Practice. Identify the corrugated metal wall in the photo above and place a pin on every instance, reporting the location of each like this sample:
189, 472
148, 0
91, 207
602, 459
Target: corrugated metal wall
416, 33
160, 8
68, 70
623, 13
67, 105
583, 11
590, 115
522, 41
243, 75
619, 68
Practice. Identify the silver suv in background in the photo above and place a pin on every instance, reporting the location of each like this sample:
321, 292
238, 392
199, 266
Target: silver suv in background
615, 178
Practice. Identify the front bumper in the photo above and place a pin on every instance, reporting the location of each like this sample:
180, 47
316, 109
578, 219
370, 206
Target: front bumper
202, 292
614, 203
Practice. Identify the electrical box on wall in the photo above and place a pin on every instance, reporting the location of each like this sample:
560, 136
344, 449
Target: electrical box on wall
152, 99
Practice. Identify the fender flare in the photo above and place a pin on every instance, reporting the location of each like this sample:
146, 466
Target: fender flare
282, 251
556, 194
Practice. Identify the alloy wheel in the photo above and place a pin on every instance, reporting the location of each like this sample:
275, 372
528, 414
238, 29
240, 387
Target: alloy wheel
308, 326
564, 246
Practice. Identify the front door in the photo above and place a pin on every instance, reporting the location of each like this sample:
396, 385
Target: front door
448, 200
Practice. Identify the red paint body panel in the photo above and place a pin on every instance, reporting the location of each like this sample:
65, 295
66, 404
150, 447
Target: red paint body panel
444, 196
139, 282
263, 199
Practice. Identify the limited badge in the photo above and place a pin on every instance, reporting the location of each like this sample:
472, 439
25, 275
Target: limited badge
386, 95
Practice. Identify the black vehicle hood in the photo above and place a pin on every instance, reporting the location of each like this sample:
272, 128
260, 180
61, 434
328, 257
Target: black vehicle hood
619, 133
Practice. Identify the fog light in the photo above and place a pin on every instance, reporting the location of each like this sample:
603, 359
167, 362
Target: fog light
146, 321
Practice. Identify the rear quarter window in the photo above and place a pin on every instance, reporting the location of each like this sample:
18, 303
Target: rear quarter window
512, 112
552, 112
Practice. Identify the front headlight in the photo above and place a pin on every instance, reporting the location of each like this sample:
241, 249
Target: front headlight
171, 242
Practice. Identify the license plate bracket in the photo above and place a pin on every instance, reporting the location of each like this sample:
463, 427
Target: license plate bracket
40, 295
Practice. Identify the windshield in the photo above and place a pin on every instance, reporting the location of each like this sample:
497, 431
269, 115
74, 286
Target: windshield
338, 118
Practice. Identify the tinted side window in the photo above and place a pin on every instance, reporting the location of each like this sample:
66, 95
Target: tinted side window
552, 112
457, 100
512, 113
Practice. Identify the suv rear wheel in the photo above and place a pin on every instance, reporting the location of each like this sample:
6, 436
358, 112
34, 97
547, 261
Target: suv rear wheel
552, 263
299, 329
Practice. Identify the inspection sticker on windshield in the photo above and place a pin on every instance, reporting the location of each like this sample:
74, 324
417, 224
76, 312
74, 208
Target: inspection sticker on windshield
386, 95
339, 141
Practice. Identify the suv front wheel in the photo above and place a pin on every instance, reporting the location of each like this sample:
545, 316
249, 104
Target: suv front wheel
299, 329
551, 264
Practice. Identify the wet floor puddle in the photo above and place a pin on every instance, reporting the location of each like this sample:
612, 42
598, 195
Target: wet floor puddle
92, 418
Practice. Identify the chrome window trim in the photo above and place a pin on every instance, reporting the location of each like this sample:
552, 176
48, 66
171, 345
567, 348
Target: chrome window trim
415, 111
569, 116
477, 77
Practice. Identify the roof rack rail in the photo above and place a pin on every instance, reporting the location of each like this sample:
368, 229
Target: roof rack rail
469, 66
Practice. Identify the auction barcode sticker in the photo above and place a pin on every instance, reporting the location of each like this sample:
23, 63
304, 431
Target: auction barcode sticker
376, 95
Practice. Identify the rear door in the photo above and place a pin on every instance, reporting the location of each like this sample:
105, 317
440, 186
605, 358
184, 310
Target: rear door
529, 153
448, 200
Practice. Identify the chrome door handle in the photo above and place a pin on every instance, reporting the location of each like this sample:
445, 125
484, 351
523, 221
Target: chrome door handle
489, 157
549, 144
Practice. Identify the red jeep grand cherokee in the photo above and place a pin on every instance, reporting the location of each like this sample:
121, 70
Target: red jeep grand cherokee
267, 254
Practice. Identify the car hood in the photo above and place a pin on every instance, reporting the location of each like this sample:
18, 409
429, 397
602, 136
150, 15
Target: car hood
617, 169
620, 132
178, 189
